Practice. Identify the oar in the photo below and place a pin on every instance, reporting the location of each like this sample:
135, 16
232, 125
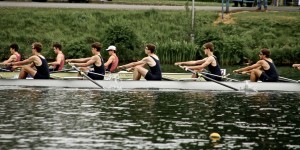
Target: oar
64, 70
207, 78
86, 76
166, 78
97, 74
287, 79
5, 70
223, 77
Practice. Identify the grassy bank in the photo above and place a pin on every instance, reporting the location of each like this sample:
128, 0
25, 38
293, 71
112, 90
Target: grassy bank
76, 29
168, 2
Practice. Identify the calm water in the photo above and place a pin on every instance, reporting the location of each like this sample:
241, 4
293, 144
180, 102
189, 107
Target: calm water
32, 118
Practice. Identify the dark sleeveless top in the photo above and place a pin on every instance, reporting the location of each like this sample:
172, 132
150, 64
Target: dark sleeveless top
98, 70
215, 70
155, 72
272, 72
42, 71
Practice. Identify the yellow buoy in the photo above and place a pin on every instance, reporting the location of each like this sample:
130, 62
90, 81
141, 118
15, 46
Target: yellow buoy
215, 136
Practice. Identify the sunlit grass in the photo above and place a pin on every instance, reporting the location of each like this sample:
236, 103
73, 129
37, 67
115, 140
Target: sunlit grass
169, 30
167, 2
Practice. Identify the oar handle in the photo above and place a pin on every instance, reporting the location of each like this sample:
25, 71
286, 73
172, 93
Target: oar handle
5, 70
64, 70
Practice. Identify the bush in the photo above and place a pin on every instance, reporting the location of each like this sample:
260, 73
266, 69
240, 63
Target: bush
77, 49
124, 38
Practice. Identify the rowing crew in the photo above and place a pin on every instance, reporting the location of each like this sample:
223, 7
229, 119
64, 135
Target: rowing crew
38, 66
263, 70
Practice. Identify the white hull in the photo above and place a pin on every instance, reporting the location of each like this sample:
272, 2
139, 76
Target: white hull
74, 74
171, 85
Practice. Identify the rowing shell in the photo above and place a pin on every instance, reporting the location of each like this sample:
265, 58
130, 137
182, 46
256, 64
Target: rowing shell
123, 75
143, 84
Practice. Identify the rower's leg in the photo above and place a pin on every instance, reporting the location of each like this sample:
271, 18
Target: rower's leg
25, 71
138, 72
22, 74
83, 69
255, 74
194, 75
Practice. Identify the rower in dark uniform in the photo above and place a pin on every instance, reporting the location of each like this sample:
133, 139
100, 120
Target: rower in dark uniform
210, 61
36, 61
151, 60
42, 71
216, 70
155, 71
96, 60
264, 69
97, 69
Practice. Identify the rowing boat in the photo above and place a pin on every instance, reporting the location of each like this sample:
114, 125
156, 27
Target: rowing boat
123, 75
143, 84
123, 80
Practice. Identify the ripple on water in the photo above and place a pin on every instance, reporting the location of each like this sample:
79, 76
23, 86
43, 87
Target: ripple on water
98, 119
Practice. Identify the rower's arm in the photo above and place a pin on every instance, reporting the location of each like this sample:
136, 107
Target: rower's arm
197, 62
12, 58
109, 61
80, 60
91, 61
248, 68
296, 65
133, 64
24, 62
206, 62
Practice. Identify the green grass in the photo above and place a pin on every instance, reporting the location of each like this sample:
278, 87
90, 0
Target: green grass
76, 29
167, 2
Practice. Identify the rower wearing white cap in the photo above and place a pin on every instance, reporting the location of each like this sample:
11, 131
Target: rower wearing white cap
113, 61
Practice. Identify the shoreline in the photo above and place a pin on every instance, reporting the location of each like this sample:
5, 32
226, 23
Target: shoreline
64, 5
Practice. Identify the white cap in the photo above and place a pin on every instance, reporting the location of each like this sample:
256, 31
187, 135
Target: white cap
111, 48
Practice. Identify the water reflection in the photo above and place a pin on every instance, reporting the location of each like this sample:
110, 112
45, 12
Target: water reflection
92, 119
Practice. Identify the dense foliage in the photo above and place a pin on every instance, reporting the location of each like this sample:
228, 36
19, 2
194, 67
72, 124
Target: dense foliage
77, 29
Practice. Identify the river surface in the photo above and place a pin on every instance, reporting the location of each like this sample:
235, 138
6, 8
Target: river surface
48, 118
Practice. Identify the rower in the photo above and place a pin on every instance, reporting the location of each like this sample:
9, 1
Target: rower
264, 69
151, 60
36, 60
210, 61
113, 61
15, 56
60, 58
96, 60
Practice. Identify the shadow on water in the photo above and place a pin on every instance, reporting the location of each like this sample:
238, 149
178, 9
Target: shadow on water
93, 119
